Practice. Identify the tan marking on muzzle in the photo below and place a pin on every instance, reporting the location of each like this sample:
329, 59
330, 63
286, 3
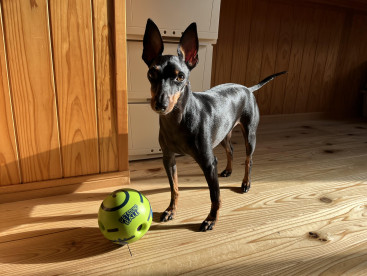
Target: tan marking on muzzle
173, 101
152, 99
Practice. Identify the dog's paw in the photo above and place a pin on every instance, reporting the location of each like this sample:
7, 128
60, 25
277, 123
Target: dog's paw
207, 225
225, 173
167, 215
245, 187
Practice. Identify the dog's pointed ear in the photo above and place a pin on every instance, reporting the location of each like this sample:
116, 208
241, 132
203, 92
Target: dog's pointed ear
152, 43
189, 46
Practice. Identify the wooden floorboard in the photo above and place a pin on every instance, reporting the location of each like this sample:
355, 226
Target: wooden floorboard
306, 214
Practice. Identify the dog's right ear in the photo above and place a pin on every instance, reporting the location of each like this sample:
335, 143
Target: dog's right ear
152, 43
189, 46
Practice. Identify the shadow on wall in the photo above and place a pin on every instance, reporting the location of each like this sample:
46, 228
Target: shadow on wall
84, 159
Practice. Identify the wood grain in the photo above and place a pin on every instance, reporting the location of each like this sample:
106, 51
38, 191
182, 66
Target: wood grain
329, 77
121, 84
271, 37
241, 41
313, 40
105, 84
9, 163
352, 65
72, 42
67, 185
300, 15
282, 58
256, 43
32, 88
308, 60
323, 45
224, 53
304, 215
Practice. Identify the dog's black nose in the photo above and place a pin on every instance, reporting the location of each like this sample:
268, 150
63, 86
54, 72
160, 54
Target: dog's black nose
160, 107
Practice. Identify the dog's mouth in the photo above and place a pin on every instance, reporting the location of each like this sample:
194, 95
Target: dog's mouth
161, 109
162, 112
165, 108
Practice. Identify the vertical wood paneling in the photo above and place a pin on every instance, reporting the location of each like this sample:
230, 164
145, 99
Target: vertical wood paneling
352, 68
32, 87
241, 41
74, 73
308, 60
256, 43
121, 83
271, 35
282, 60
9, 166
223, 51
301, 18
105, 84
336, 20
323, 53
315, 92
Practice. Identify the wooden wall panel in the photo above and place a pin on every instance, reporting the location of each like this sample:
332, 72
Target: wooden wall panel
308, 60
270, 47
9, 166
301, 18
336, 20
320, 43
223, 52
32, 87
105, 83
256, 40
241, 41
322, 49
282, 58
63, 98
121, 83
352, 64
72, 39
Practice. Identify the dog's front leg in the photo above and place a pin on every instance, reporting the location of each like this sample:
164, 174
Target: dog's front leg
169, 162
209, 167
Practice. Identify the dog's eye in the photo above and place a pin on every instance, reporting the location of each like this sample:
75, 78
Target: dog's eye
180, 77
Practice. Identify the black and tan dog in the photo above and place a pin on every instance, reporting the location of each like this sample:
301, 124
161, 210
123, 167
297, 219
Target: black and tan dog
194, 123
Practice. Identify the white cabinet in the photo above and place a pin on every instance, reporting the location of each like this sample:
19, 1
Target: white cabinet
143, 131
172, 17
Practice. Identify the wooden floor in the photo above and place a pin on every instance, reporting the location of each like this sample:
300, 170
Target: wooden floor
306, 214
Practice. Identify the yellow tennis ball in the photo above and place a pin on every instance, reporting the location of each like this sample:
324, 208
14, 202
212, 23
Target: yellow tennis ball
125, 216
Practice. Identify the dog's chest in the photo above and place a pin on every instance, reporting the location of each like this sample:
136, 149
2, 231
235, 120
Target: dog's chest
177, 138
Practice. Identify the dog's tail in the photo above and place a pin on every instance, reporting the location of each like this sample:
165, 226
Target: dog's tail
265, 81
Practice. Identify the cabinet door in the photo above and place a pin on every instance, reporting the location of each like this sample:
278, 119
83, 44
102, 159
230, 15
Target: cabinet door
174, 16
32, 89
138, 84
63, 102
143, 130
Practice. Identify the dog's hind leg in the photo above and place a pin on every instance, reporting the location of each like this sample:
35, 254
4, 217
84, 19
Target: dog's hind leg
226, 143
249, 128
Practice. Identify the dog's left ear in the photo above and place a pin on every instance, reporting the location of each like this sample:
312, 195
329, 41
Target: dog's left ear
152, 43
189, 46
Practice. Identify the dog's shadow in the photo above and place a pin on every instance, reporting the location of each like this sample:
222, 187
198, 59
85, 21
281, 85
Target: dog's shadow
190, 226
194, 227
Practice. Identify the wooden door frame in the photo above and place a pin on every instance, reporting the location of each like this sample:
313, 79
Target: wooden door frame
121, 84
